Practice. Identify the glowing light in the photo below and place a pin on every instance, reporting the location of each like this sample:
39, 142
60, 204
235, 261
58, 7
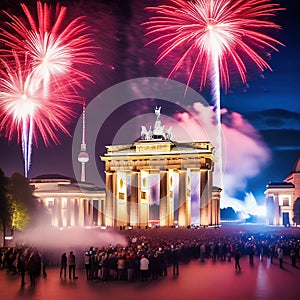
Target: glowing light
261, 211
215, 35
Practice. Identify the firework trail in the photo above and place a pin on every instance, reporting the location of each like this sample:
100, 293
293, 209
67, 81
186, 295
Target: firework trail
216, 35
57, 48
25, 110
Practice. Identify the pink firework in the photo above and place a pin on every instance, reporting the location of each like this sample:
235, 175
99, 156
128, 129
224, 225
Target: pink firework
226, 31
57, 50
25, 110
215, 35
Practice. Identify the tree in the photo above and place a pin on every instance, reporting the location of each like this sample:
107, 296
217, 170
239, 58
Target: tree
26, 210
4, 204
296, 209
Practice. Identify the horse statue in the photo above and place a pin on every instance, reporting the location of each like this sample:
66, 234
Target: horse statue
146, 134
169, 133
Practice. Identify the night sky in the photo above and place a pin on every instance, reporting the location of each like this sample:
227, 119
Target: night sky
266, 110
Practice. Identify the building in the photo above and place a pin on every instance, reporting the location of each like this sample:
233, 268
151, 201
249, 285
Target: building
70, 203
281, 196
152, 182
156, 181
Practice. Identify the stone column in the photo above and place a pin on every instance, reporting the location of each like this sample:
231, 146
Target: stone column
110, 199
277, 214
76, 212
69, 211
204, 199
209, 197
163, 203
81, 216
182, 220
135, 190
91, 211
55, 213
86, 212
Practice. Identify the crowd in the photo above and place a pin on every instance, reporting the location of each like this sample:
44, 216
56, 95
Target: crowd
152, 253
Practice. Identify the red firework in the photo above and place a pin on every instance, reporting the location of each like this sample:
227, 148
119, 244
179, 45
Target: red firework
22, 101
57, 50
214, 32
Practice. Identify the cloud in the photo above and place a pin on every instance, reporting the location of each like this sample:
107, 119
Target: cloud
244, 151
275, 119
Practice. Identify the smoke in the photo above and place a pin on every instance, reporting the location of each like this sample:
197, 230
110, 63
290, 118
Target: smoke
73, 237
244, 152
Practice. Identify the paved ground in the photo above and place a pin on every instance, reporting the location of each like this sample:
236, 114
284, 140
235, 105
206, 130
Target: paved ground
195, 281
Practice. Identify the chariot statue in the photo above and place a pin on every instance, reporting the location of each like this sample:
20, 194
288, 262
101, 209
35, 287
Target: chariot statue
159, 132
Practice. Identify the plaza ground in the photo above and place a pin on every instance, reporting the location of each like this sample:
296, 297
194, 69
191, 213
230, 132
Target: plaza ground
196, 280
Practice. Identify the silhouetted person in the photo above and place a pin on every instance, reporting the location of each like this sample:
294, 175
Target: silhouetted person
237, 257
293, 257
175, 261
87, 265
63, 265
280, 256
34, 267
22, 266
44, 260
72, 265
251, 255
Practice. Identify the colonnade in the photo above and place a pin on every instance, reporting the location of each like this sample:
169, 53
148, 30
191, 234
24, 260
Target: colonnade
66, 211
129, 198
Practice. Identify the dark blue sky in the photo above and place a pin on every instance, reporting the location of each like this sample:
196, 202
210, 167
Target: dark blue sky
270, 102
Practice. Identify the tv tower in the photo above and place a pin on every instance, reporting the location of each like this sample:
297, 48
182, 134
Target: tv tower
83, 156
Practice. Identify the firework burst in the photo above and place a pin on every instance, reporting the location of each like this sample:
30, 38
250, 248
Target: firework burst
57, 49
226, 31
25, 110
41, 69
216, 35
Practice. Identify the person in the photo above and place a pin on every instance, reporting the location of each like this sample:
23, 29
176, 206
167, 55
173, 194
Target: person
63, 265
280, 256
44, 260
202, 252
87, 265
237, 257
175, 261
144, 267
293, 257
34, 267
105, 266
130, 266
251, 255
72, 265
22, 265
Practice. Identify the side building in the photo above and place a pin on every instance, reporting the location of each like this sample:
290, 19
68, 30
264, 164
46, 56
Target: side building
70, 203
281, 196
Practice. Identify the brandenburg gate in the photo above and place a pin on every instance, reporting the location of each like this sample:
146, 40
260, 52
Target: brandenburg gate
156, 181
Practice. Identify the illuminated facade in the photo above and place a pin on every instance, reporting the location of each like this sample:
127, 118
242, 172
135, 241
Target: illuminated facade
70, 203
156, 181
280, 198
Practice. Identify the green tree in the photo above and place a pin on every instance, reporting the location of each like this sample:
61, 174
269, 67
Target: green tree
4, 204
26, 210
296, 209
